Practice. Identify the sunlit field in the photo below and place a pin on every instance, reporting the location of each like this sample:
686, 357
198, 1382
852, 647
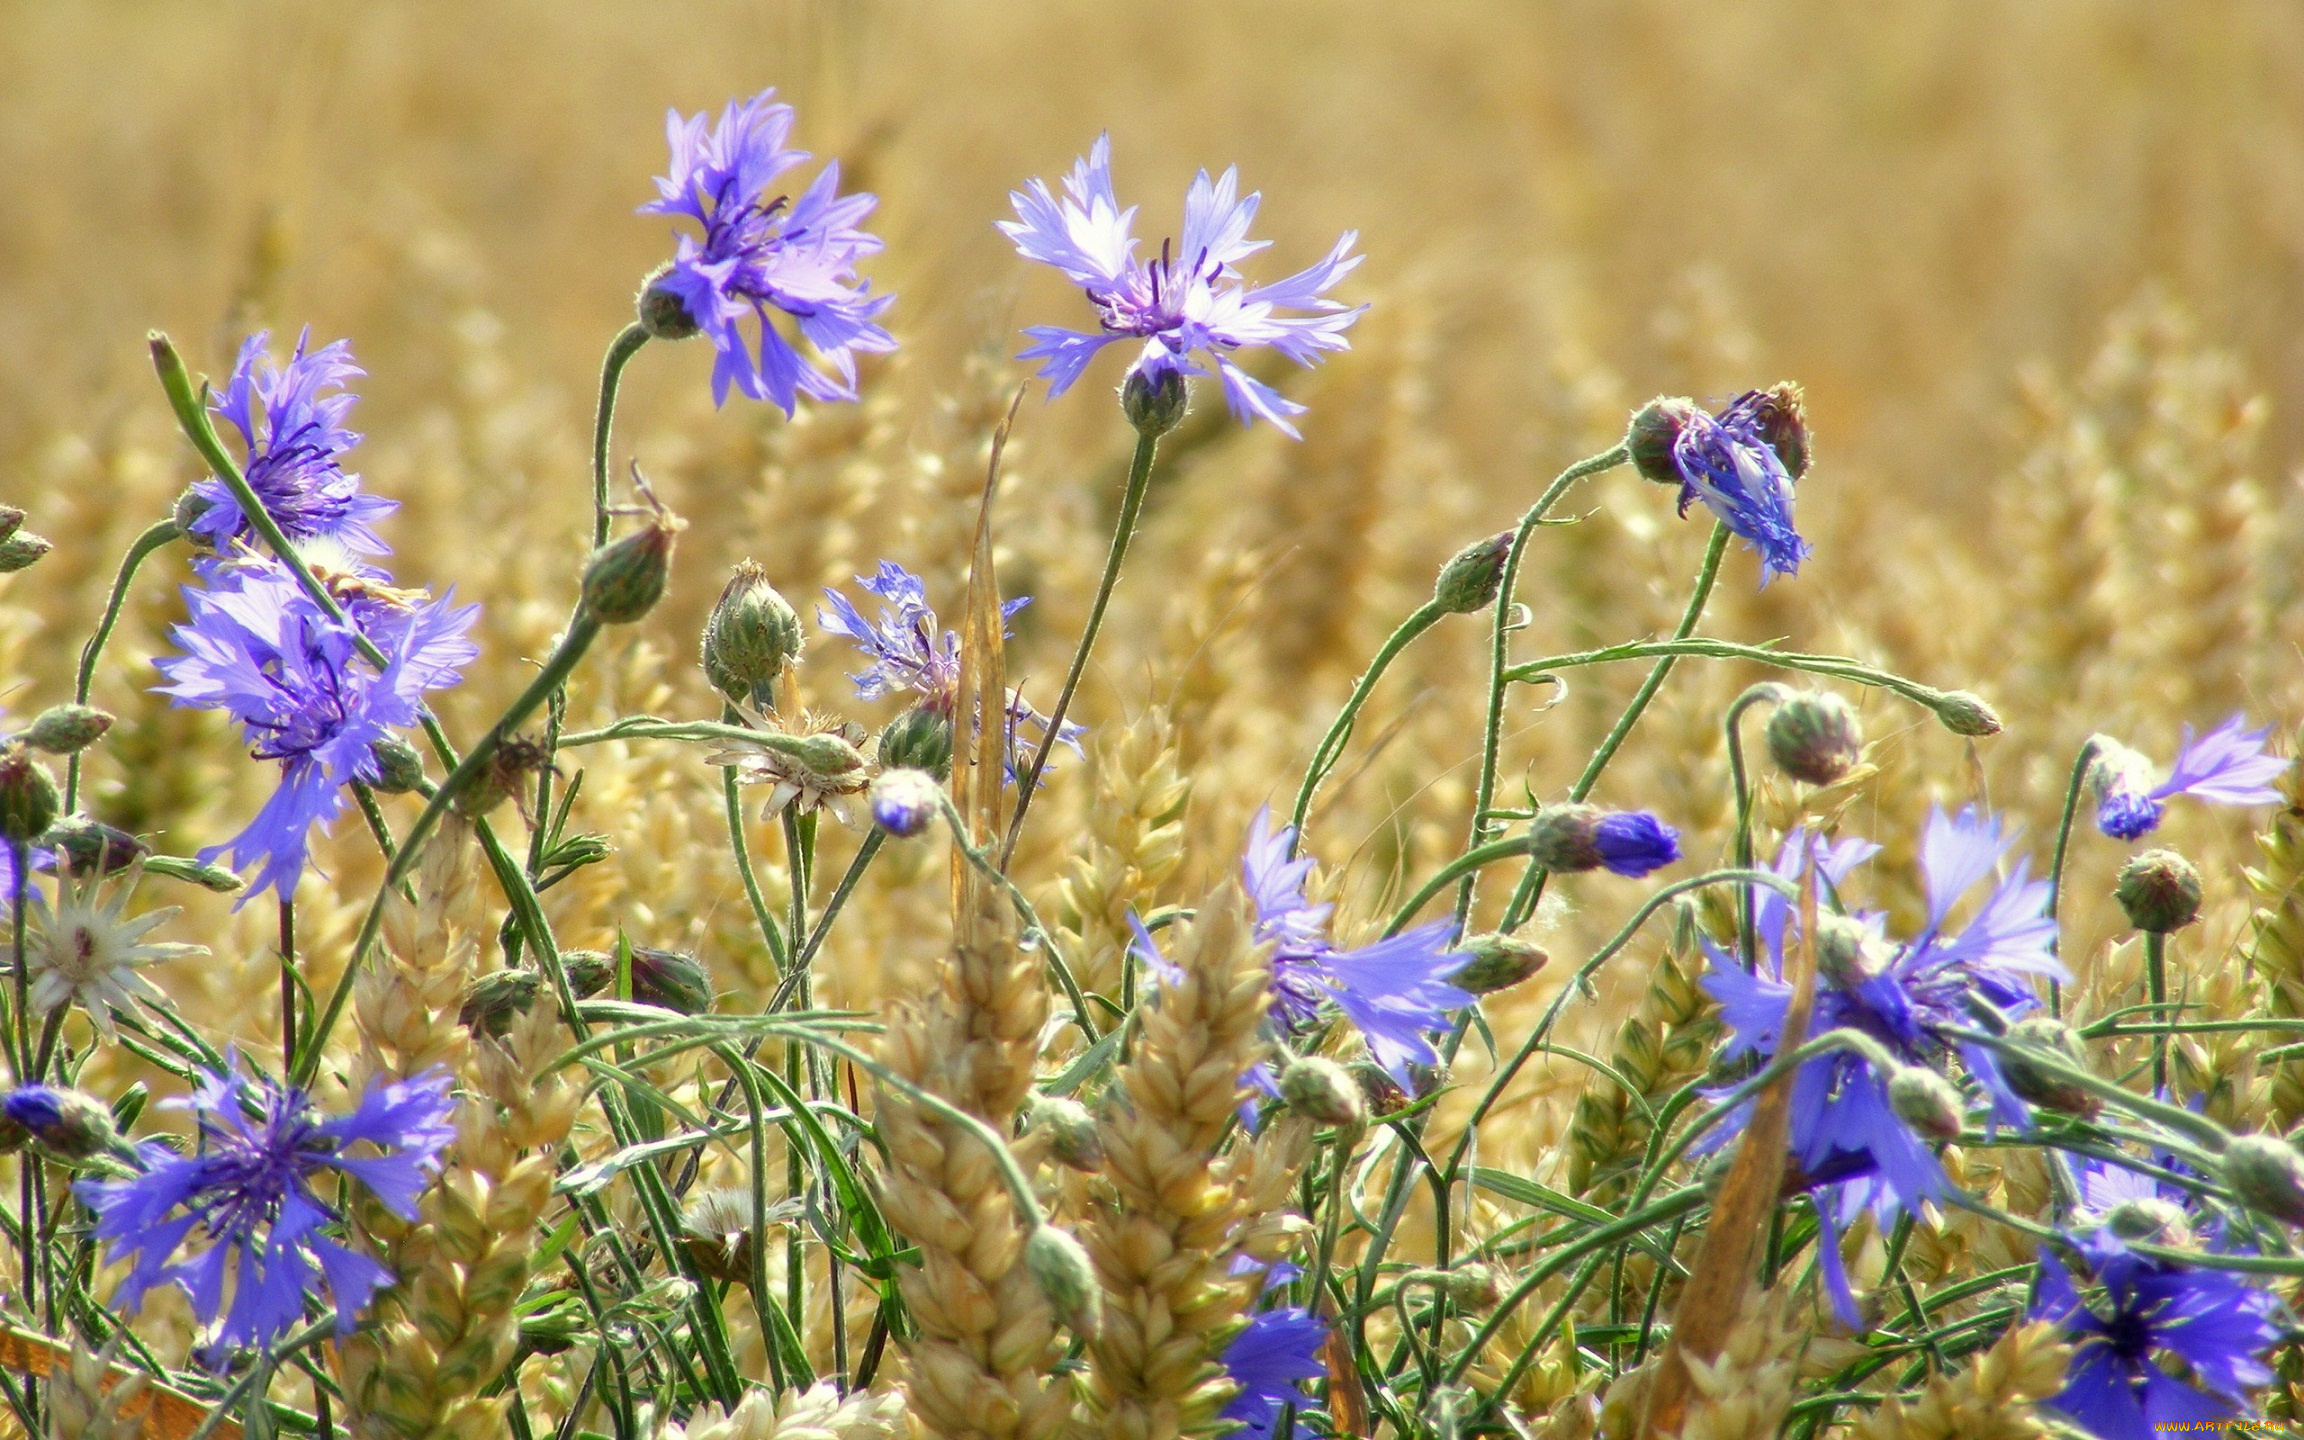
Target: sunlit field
731, 1099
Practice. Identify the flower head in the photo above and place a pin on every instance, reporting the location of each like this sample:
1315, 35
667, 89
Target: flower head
291, 424
760, 255
242, 1206
1395, 991
1269, 1359
259, 649
2227, 766
909, 653
2125, 1311
812, 766
1188, 303
1727, 462
1847, 1141
88, 951
1574, 838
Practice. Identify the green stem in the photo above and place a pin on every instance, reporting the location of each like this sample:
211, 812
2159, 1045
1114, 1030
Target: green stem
1131, 506
1837, 667
1447, 875
620, 352
287, 983
1331, 747
2156, 990
2080, 764
1747, 942
144, 545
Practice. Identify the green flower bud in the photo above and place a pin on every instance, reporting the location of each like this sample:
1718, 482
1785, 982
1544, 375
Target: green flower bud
1154, 407
89, 845
1814, 736
190, 506
28, 796
1475, 1288
1071, 1131
663, 314
1927, 1102
67, 729
22, 550
1323, 1091
671, 980
2150, 1219
716, 1230
399, 766
2159, 892
2267, 1176
495, 1000
1498, 962
1059, 1266
625, 577
1469, 581
2056, 1042
919, 739
10, 519
589, 971
1964, 713
1655, 428
752, 636
213, 878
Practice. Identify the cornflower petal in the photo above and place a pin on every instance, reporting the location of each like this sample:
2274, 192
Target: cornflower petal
2227, 765
1269, 1359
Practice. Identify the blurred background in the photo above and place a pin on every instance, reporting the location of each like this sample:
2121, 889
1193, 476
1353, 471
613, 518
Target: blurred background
2036, 262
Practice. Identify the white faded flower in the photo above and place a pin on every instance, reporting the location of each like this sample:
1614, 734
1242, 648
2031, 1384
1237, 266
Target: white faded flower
813, 766
88, 951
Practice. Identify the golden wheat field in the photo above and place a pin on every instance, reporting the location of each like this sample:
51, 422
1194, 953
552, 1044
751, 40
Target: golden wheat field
2038, 265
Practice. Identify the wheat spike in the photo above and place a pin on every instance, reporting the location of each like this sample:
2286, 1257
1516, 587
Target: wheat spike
1992, 1399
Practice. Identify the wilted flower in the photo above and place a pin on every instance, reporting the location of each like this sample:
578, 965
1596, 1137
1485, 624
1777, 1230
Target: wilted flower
259, 649
291, 424
244, 1201
815, 766
1190, 301
1269, 1359
2227, 765
1848, 1141
1726, 461
88, 951
760, 255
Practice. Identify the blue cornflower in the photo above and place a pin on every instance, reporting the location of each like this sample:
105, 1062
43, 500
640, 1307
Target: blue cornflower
1189, 301
2227, 765
1573, 838
909, 652
259, 649
1727, 462
2137, 1308
244, 1201
1394, 991
1848, 1143
1268, 1360
291, 424
760, 255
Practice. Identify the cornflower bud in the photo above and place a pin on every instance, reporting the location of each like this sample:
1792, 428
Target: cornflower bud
399, 766
752, 636
670, 980
22, 550
190, 506
1927, 1102
67, 729
1059, 1266
1654, 431
1323, 1091
88, 844
65, 1123
2267, 1175
493, 1001
1469, 581
1071, 1131
1570, 838
10, 519
1154, 406
1814, 736
1963, 712
919, 739
2159, 892
589, 971
663, 314
2054, 1041
905, 802
716, 1230
28, 797
2150, 1219
1781, 414
1498, 962
625, 577
1474, 1287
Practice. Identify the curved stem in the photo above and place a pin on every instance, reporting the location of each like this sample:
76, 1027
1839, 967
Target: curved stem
1331, 748
2080, 764
1500, 654
151, 540
1462, 865
620, 352
1131, 507
1746, 941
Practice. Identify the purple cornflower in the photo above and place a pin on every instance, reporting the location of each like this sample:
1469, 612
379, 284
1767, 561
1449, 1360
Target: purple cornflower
1726, 462
291, 424
259, 649
1851, 1148
1189, 301
1572, 838
760, 255
910, 653
2227, 765
1394, 991
244, 1200
1268, 1360
2136, 1307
